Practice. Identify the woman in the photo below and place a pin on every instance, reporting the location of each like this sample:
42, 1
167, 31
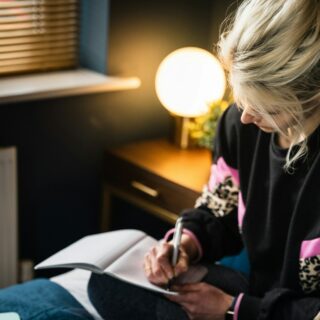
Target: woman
262, 194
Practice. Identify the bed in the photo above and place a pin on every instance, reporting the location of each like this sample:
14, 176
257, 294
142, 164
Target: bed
62, 297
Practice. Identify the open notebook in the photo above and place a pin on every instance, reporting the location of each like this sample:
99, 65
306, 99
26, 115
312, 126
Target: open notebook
117, 253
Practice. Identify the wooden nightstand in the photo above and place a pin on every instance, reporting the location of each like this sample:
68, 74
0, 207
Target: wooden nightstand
155, 176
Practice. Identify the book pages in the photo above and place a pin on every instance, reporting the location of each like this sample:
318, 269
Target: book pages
129, 267
94, 252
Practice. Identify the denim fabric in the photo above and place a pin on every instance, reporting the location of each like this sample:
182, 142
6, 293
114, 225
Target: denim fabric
117, 300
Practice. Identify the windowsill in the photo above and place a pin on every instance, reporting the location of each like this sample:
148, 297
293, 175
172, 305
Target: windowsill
61, 84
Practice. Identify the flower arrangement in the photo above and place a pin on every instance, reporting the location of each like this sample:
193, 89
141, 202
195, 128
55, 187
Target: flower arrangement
202, 130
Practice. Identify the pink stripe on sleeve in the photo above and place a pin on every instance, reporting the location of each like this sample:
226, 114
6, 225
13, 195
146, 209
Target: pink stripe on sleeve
241, 210
310, 248
192, 236
168, 234
237, 306
220, 171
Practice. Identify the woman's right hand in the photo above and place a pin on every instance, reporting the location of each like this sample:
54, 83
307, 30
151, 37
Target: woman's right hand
157, 262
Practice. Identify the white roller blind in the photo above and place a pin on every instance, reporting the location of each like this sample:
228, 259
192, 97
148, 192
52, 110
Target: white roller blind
38, 35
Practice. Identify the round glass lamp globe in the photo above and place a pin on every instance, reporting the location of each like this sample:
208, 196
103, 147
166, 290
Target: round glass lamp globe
188, 80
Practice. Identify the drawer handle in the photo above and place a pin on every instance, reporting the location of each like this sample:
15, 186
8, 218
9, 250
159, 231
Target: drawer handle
145, 189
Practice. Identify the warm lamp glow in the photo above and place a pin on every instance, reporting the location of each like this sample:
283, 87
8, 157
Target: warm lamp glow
189, 80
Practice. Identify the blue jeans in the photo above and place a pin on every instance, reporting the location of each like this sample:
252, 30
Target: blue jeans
117, 300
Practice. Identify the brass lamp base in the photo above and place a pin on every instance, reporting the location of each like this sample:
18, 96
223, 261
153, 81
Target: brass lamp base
182, 137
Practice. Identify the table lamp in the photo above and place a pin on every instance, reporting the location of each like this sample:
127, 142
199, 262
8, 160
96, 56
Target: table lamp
187, 81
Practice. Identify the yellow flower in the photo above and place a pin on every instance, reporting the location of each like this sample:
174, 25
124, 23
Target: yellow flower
202, 129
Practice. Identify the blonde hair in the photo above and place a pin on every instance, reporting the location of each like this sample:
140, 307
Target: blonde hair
271, 51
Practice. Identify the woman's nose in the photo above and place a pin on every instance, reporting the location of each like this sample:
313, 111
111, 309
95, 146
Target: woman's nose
247, 117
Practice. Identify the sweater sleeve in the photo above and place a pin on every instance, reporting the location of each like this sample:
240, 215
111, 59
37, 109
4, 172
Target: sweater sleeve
214, 220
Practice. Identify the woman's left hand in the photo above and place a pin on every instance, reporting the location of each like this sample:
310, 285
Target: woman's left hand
202, 301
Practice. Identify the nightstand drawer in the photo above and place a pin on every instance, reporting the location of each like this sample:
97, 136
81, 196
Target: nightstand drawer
147, 186
154, 177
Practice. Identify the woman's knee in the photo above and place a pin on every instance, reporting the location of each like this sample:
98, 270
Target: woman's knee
118, 300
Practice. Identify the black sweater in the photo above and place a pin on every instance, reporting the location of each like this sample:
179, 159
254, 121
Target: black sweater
251, 201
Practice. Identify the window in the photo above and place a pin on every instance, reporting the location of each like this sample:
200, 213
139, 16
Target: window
38, 35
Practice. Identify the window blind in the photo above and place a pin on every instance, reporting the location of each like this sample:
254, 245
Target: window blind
38, 35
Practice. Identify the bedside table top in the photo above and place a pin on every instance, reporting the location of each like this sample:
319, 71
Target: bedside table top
189, 168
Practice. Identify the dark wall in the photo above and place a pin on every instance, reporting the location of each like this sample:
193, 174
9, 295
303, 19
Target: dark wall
61, 141
144, 32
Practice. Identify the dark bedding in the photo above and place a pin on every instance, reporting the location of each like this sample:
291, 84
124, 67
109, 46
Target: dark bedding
41, 299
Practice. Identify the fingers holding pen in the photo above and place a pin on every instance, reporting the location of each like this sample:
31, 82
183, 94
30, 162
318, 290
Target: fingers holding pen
157, 264
167, 260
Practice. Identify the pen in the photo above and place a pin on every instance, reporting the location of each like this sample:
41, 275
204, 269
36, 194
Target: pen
176, 241
176, 245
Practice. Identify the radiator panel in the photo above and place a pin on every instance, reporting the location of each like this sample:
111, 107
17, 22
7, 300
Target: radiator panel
8, 217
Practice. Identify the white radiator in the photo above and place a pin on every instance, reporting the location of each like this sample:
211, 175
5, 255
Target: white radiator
8, 217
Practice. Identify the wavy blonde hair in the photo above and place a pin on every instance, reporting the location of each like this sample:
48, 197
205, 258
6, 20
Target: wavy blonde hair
271, 52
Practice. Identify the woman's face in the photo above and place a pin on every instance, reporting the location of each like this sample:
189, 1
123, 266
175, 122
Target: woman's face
262, 121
